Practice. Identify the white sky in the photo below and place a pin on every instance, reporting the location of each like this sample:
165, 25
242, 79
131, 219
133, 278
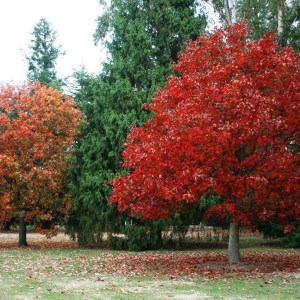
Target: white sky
74, 22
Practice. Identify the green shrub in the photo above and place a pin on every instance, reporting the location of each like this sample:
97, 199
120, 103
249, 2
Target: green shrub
292, 239
117, 242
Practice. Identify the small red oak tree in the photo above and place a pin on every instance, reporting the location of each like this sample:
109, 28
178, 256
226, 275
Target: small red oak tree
229, 124
38, 126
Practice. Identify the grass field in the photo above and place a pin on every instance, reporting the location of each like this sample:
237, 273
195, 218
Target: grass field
43, 272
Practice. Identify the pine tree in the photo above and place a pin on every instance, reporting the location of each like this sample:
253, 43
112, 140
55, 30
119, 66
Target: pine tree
44, 53
143, 38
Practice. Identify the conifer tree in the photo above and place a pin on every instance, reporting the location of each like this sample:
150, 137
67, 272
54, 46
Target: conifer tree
44, 53
143, 39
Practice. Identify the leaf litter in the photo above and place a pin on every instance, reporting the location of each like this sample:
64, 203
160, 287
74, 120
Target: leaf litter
170, 264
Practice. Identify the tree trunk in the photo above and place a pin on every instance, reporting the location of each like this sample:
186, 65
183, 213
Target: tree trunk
158, 237
280, 8
227, 11
233, 6
6, 225
22, 233
234, 244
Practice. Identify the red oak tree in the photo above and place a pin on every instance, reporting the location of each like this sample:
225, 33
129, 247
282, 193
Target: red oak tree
38, 126
229, 124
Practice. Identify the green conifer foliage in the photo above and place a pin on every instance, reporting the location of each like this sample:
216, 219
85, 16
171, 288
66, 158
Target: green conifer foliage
143, 38
44, 53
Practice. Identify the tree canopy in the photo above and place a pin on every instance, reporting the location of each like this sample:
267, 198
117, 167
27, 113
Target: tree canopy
279, 16
229, 125
38, 126
142, 39
44, 54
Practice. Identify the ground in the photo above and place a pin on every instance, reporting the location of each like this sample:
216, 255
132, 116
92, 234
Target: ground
58, 269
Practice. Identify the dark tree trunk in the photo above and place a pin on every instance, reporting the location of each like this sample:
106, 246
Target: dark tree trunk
6, 225
22, 233
159, 237
234, 243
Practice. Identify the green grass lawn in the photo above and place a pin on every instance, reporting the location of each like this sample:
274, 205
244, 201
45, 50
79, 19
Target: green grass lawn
102, 274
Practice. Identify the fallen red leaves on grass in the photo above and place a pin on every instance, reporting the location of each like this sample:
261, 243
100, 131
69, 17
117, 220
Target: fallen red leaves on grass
156, 264
212, 266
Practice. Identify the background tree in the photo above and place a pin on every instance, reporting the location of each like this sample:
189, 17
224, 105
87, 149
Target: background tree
44, 54
228, 125
279, 16
283, 18
38, 126
226, 9
142, 38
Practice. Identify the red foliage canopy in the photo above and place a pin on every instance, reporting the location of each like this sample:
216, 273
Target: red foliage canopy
37, 128
229, 123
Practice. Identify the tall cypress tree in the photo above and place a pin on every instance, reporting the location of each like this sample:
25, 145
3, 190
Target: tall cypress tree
143, 38
44, 53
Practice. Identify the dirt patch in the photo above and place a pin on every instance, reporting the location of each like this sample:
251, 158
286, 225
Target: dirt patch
79, 284
192, 296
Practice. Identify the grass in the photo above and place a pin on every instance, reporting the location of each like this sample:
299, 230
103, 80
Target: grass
80, 274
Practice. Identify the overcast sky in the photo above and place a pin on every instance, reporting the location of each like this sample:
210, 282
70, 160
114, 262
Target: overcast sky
74, 21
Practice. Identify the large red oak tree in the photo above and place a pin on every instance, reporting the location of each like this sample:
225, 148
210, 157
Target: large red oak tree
229, 124
38, 126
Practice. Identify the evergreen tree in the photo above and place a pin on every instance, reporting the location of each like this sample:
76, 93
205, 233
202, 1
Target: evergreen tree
44, 53
143, 38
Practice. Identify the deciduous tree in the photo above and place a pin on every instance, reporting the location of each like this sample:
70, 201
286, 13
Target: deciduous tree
229, 125
38, 126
